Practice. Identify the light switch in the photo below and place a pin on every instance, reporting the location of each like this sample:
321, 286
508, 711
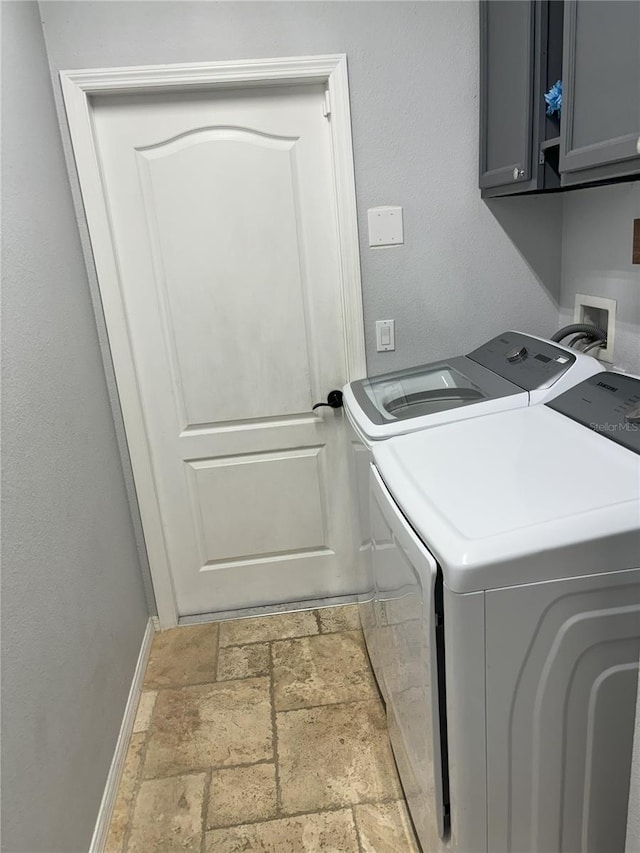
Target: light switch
385, 335
385, 226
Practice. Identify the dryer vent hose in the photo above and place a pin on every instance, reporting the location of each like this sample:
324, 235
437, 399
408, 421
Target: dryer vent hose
584, 330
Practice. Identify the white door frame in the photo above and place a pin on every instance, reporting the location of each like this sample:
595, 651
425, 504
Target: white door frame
77, 88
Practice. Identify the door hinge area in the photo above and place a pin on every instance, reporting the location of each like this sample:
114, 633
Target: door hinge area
326, 107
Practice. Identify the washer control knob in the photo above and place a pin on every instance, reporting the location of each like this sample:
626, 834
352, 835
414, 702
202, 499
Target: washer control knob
516, 354
633, 415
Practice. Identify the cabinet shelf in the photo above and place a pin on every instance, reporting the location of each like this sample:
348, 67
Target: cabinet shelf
550, 143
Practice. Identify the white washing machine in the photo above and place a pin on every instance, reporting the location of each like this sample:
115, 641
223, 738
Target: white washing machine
510, 371
509, 551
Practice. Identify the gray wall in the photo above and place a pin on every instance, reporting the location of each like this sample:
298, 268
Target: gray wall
73, 608
597, 236
413, 72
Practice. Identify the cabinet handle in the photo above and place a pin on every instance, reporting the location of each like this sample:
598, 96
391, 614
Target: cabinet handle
517, 173
638, 145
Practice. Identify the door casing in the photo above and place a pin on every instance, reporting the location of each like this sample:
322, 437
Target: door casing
78, 88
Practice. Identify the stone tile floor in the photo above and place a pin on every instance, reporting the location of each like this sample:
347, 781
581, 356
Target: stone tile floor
264, 734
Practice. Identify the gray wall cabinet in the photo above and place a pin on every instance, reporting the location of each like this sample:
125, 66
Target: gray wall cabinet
520, 58
601, 74
506, 94
594, 47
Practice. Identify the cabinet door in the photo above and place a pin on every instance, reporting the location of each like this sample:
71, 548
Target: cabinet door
506, 89
601, 76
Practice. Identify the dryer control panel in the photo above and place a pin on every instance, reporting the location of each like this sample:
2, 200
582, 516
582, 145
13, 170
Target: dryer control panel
608, 403
528, 362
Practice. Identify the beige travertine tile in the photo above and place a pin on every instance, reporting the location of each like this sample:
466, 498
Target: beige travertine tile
385, 828
321, 670
145, 709
240, 794
124, 800
210, 725
344, 618
243, 661
168, 815
335, 755
183, 655
331, 832
258, 629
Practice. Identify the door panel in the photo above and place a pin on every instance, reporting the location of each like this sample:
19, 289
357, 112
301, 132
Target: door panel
506, 80
224, 225
229, 320
601, 121
275, 520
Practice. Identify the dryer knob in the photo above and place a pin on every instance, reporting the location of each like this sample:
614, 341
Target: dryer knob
633, 415
517, 353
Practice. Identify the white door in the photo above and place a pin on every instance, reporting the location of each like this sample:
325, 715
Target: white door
223, 221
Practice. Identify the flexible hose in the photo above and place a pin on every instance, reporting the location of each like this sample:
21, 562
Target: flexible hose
593, 332
595, 344
577, 338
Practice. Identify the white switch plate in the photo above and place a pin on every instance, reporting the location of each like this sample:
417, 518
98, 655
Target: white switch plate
385, 335
385, 226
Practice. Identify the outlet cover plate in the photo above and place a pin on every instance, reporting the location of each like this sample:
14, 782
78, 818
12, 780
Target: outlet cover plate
385, 226
582, 304
385, 335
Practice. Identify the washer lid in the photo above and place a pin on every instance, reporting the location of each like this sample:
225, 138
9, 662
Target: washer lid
488, 496
428, 395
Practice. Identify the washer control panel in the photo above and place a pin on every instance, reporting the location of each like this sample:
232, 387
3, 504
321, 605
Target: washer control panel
527, 362
608, 403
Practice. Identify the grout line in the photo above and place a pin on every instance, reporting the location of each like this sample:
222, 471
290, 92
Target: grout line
269, 640
136, 786
227, 680
192, 771
177, 687
242, 645
309, 812
274, 730
357, 828
366, 701
205, 809
316, 614
217, 657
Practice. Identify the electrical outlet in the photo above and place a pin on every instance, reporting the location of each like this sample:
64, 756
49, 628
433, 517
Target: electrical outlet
601, 312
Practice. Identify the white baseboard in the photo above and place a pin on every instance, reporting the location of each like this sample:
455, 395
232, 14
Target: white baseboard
117, 763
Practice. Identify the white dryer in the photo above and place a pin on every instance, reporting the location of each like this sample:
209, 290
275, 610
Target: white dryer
511, 371
509, 549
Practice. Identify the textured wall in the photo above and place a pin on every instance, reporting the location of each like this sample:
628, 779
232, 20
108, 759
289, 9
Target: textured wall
596, 259
413, 71
73, 609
